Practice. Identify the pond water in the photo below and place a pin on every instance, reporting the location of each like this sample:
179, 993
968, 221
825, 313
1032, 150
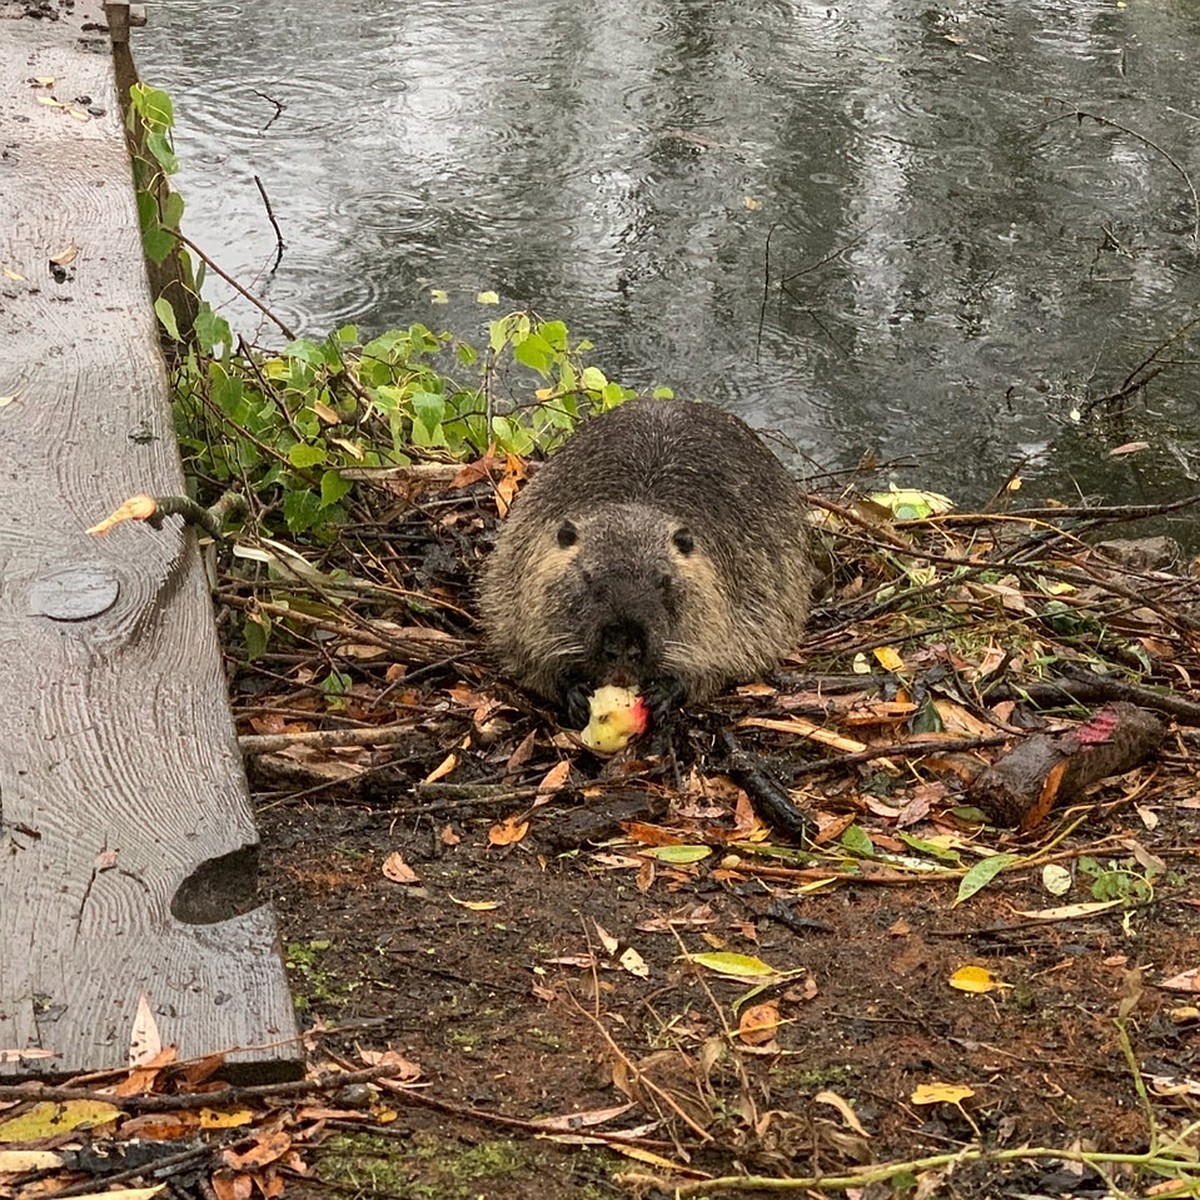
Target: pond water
878, 228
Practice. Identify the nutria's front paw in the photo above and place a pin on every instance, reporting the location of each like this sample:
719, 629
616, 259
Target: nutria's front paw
664, 697
577, 707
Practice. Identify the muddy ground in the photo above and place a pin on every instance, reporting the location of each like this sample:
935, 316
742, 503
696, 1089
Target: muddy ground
533, 973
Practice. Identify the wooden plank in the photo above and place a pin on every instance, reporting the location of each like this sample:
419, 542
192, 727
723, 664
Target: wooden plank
126, 837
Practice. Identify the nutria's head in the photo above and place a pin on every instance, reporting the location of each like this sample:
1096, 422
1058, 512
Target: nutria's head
619, 584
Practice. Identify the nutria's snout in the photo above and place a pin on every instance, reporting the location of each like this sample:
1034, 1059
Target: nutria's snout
663, 549
621, 649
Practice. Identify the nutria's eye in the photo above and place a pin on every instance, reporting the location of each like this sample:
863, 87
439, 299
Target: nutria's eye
568, 535
684, 542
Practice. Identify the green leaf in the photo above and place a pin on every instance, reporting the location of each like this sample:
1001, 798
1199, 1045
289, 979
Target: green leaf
256, 633
429, 409
172, 210
855, 840
982, 873
680, 855
304, 455
166, 314
301, 510
534, 352
740, 966
593, 379
159, 145
333, 488
944, 853
210, 330
554, 333
157, 242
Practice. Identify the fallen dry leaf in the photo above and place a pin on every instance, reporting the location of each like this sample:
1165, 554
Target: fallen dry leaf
759, 1023
978, 980
397, 870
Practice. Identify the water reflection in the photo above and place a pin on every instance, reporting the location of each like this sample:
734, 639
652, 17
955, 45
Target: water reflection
955, 260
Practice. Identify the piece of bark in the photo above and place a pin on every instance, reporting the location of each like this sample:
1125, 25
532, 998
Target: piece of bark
1022, 787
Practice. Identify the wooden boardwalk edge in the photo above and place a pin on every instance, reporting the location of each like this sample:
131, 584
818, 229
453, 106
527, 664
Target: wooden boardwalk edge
126, 833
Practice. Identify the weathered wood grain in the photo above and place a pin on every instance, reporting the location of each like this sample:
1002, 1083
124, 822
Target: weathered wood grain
119, 773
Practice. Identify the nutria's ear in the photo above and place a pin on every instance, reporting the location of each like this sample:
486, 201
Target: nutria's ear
568, 535
684, 542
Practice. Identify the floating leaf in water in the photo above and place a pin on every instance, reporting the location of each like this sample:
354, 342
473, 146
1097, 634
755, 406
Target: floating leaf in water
908, 504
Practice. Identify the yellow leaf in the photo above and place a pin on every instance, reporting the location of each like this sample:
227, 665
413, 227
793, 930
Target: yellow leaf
488, 298
5, 401
442, 769
634, 963
438, 296
909, 504
607, 940
351, 448
848, 1114
888, 658
17, 1162
225, 1118
326, 412
742, 966
976, 979
477, 905
145, 1193
806, 729
1070, 912
48, 1119
941, 1093
65, 257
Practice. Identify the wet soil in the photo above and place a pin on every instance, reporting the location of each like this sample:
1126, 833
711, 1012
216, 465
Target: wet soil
538, 972
478, 1000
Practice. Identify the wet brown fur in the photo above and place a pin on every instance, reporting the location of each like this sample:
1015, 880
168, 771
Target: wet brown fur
662, 542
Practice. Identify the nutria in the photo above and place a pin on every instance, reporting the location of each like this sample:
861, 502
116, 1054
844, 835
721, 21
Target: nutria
663, 548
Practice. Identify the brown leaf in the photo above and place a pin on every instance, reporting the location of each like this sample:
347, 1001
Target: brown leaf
759, 1023
228, 1186
555, 778
266, 1149
397, 870
522, 754
507, 832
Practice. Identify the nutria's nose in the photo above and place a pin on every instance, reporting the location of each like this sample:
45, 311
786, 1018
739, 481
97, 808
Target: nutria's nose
622, 644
